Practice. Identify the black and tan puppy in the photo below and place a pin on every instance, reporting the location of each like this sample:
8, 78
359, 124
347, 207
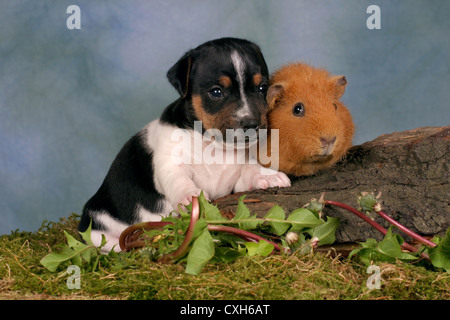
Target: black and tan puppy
195, 145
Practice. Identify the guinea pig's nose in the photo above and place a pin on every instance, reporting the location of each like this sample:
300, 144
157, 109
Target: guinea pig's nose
249, 123
327, 141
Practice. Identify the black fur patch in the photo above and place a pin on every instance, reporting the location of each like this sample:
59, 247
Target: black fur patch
128, 182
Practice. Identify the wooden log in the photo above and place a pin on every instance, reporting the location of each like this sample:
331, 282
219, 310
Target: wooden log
410, 168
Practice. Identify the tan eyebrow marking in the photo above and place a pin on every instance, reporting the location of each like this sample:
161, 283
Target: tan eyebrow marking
225, 81
257, 78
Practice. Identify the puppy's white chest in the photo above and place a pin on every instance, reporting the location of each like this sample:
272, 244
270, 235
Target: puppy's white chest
183, 156
217, 179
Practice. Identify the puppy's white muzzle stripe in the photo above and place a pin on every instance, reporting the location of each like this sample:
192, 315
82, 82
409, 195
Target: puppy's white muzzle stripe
239, 66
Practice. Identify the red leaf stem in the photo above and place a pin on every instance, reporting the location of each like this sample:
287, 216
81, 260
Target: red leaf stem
406, 230
242, 234
129, 237
359, 214
195, 215
405, 245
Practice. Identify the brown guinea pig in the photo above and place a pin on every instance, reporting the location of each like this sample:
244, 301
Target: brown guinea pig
315, 128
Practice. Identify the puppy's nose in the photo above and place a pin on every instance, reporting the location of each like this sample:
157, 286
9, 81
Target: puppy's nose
327, 141
249, 123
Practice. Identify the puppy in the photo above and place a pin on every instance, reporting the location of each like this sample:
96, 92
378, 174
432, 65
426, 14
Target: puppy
222, 86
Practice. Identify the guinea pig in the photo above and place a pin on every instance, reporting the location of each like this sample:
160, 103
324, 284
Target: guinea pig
315, 128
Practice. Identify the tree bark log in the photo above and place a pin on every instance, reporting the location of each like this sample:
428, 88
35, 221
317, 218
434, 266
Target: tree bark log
410, 168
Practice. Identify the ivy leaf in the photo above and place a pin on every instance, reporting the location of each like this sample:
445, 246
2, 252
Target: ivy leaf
279, 224
262, 248
242, 213
303, 218
440, 255
201, 252
325, 232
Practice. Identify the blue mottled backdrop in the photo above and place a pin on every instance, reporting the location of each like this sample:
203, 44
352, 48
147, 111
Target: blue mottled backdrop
69, 99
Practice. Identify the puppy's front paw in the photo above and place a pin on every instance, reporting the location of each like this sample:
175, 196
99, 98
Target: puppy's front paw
276, 179
189, 194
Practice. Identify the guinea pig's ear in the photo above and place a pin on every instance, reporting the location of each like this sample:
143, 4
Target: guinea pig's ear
340, 82
274, 95
178, 75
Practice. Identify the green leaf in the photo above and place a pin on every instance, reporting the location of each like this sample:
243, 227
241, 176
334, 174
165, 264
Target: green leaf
367, 201
201, 252
315, 206
88, 254
86, 235
369, 244
209, 211
53, 260
227, 254
279, 224
242, 213
74, 252
223, 239
326, 231
103, 242
185, 214
391, 247
199, 227
262, 248
74, 243
440, 255
368, 255
303, 218
387, 250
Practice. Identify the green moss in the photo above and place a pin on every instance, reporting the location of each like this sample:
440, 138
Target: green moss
133, 276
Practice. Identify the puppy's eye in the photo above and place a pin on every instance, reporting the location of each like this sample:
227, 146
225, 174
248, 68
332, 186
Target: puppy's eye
262, 89
215, 93
335, 106
298, 110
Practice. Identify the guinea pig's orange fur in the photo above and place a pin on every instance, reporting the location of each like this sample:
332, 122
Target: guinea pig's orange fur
305, 142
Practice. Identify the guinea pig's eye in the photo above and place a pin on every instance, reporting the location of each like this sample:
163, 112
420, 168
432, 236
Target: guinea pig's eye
262, 89
215, 93
335, 106
298, 110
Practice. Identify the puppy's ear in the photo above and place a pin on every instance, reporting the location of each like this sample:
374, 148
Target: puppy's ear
178, 75
262, 62
274, 95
